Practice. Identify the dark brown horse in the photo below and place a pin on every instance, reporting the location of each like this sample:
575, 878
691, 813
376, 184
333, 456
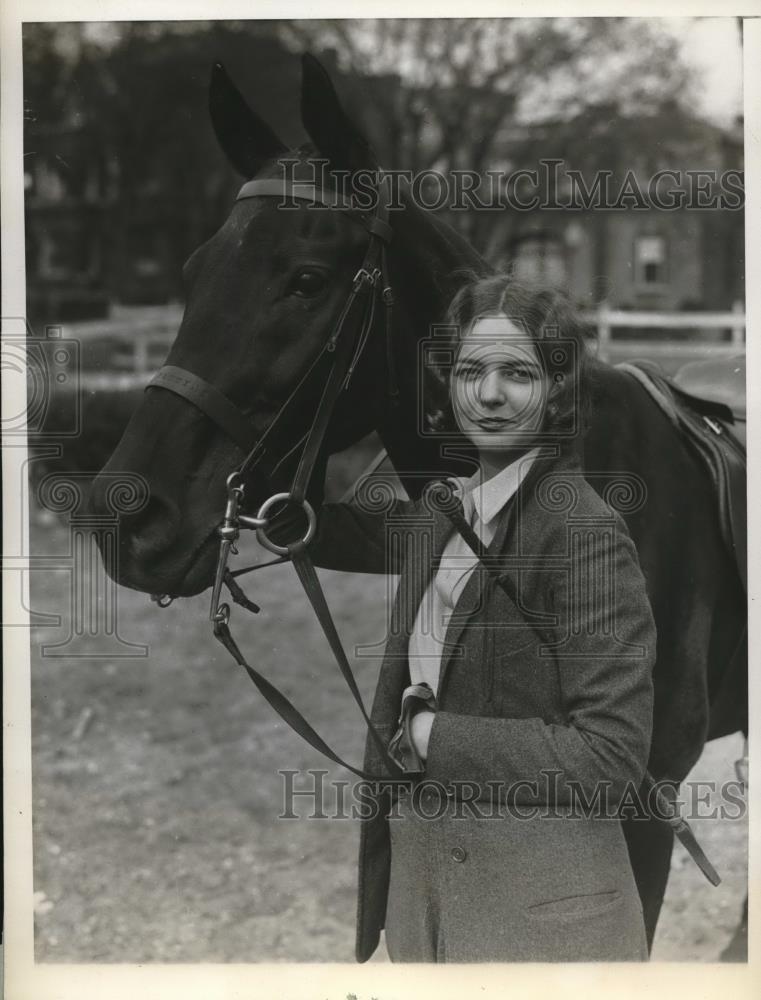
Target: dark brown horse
262, 296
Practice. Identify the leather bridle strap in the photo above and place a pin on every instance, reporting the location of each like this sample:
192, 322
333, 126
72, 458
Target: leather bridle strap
336, 346
221, 410
293, 717
346, 353
346, 345
207, 398
232, 420
347, 341
274, 187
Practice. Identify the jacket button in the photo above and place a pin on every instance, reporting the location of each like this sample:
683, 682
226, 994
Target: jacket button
459, 854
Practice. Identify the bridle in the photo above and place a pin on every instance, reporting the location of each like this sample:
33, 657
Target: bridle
345, 345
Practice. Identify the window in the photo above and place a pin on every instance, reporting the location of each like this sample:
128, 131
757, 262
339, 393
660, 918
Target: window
650, 260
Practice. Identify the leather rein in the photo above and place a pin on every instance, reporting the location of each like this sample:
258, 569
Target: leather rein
345, 345
344, 348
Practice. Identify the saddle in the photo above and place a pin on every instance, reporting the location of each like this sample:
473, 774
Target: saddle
705, 401
717, 380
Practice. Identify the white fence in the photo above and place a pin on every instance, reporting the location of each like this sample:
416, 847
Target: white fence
135, 341
707, 340
137, 338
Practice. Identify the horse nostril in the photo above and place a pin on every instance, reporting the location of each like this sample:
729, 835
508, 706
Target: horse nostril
148, 524
154, 527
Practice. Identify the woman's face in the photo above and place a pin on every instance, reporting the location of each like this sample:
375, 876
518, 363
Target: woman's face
499, 388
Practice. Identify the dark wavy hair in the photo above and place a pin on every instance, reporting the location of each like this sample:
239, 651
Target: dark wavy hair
548, 318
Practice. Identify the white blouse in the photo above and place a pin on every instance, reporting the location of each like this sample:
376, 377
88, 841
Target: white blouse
482, 502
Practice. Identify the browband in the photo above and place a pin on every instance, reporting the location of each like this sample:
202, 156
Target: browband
302, 190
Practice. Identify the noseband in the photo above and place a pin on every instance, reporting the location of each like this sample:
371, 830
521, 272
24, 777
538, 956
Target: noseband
345, 346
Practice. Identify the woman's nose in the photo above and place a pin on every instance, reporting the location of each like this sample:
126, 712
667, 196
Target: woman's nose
492, 390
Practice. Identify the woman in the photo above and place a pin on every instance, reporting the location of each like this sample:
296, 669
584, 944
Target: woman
522, 707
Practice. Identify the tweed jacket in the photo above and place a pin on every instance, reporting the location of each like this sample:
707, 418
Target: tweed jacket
556, 681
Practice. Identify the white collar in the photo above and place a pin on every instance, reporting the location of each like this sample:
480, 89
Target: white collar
490, 497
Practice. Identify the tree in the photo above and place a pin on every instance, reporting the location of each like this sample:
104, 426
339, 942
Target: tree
131, 106
444, 94
448, 88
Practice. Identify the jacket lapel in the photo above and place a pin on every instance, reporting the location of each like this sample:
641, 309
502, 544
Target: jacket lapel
470, 600
472, 597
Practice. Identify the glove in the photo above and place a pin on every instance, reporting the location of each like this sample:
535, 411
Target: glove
401, 748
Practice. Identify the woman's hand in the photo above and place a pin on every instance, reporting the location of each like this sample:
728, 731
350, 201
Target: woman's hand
420, 731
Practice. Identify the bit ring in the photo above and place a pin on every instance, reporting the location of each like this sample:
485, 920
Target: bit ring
261, 535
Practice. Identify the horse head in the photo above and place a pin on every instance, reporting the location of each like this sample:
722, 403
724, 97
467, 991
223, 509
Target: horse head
262, 296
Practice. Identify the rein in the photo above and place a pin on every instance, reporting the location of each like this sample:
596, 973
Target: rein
344, 347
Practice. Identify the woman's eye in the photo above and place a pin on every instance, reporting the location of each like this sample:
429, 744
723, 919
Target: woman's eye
518, 373
307, 283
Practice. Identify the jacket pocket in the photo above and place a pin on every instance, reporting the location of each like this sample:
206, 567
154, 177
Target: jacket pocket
571, 907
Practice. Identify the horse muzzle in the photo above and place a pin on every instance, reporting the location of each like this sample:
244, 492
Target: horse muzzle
156, 551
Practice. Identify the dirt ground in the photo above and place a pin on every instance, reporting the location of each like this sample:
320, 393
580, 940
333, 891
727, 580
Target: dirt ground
157, 792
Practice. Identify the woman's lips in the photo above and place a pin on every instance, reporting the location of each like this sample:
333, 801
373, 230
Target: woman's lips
494, 423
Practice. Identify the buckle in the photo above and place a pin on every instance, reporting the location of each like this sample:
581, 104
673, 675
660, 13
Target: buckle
221, 616
363, 276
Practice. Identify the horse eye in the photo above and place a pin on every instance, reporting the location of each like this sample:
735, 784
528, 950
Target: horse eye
307, 283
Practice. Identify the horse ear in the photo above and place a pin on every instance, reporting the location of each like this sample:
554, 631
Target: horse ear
246, 139
326, 122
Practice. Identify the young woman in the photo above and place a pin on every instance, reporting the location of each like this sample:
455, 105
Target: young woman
520, 707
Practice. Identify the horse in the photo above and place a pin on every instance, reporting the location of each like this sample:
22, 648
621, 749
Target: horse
262, 295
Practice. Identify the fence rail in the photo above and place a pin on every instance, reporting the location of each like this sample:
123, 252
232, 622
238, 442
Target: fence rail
710, 325
137, 340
